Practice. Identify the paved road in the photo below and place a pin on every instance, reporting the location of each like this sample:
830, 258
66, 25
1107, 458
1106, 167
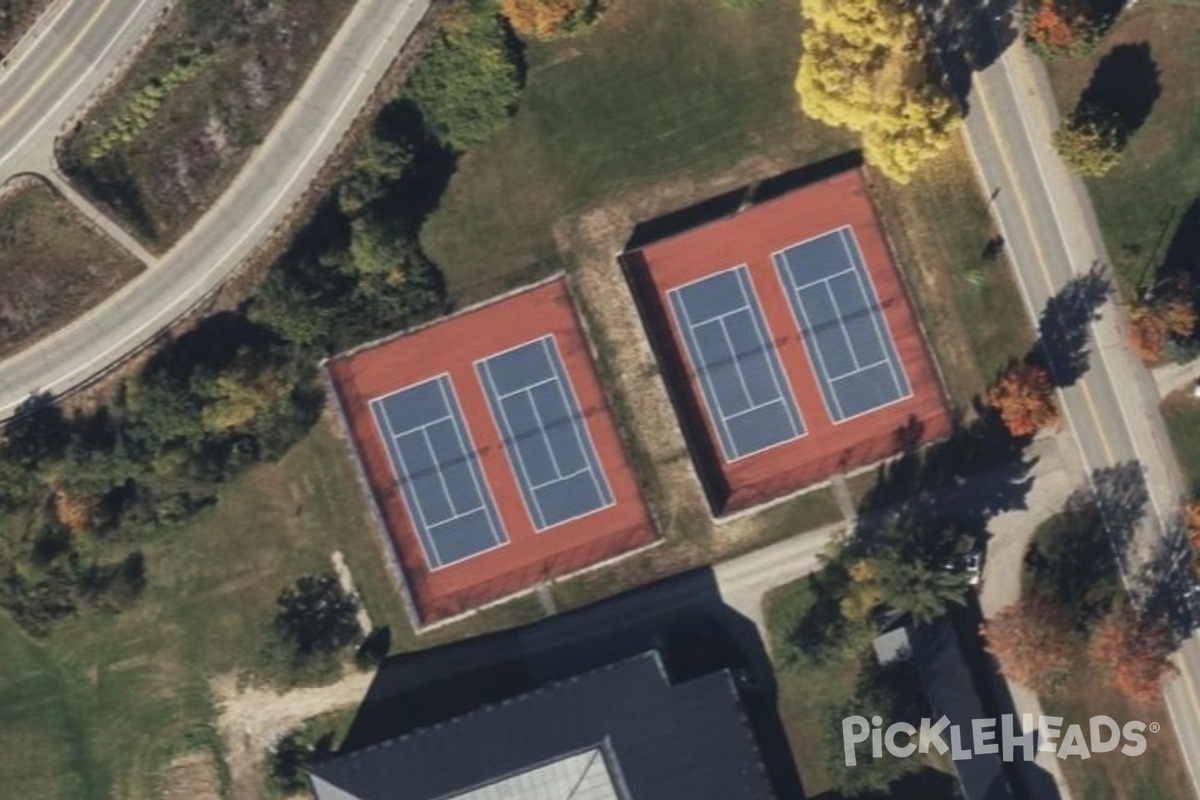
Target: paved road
81, 41
1048, 223
61, 62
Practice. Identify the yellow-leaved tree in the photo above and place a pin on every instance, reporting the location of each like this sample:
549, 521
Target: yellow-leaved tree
865, 66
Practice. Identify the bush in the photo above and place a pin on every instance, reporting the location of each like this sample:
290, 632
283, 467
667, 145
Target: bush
1089, 147
1060, 28
468, 83
545, 19
316, 615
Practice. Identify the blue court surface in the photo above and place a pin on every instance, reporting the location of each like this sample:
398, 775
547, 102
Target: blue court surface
735, 362
547, 442
438, 471
838, 313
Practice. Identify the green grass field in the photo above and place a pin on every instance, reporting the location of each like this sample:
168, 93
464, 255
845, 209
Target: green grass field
658, 94
1181, 412
1141, 203
98, 708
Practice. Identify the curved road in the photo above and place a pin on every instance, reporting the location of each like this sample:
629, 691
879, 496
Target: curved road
65, 59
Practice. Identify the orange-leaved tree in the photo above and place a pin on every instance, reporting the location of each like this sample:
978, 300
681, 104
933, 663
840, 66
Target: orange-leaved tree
1132, 652
1147, 333
1032, 642
1060, 28
1024, 397
545, 19
1153, 321
1191, 519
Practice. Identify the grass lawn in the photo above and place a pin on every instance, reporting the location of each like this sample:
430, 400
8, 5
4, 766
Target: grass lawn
1141, 203
161, 182
1157, 774
969, 305
1181, 412
97, 709
54, 266
658, 94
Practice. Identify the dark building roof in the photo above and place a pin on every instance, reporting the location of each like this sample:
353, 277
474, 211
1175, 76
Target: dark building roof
939, 658
687, 741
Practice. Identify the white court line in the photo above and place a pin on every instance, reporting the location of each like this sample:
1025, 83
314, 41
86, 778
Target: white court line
396, 460
679, 308
848, 271
737, 364
469, 455
774, 363
829, 393
516, 459
841, 326
411, 499
535, 510
876, 310
565, 386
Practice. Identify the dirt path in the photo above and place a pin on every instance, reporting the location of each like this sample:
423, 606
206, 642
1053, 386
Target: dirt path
252, 719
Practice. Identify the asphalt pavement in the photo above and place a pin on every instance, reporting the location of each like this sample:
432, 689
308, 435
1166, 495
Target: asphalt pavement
1052, 238
65, 60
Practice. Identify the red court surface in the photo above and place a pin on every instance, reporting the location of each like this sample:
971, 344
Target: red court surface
750, 237
451, 347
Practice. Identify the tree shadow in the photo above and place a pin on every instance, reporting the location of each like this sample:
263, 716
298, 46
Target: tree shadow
1072, 562
968, 37
1063, 328
1121, 499
419, 191
1167, 585
1122, 90
944, 496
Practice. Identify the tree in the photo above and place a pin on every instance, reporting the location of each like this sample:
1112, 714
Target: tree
1132, 653
865, 66
1089, 146
926, 591
1155, 320
1032, 643
545, 19
380, 163
1147, 333
1024, 397
317, 615
467, 84
1191, 520
1060, 28
376, 248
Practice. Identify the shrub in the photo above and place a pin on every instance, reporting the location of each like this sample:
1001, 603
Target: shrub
1060, 29
468, 83
316, 615
1024, 397
1089, 147
545, 19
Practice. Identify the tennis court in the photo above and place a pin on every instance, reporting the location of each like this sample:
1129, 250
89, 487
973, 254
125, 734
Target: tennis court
735, 362
547, 442
435, 463
838, 313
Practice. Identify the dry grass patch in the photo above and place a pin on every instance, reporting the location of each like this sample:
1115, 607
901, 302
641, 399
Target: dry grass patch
968, 303
16, 17
55, 266
254, 58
